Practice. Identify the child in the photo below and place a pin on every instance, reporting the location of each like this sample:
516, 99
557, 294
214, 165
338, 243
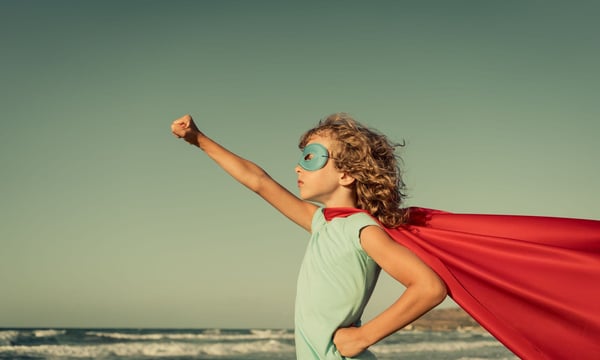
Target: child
530, 281
343, 165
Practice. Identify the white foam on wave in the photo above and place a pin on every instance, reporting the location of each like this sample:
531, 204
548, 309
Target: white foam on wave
48, 333
150, 350
446, 346
272, 334
212, 334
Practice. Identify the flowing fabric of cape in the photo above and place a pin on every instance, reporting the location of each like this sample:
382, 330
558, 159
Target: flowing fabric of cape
533, 282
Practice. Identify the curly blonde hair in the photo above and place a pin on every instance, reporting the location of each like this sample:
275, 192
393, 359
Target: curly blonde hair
370, 158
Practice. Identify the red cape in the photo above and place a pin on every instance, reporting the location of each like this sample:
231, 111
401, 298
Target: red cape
533, 282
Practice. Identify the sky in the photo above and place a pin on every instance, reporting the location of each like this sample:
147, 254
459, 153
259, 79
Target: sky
107, 220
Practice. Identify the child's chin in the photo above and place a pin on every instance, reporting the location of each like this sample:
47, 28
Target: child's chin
303, 196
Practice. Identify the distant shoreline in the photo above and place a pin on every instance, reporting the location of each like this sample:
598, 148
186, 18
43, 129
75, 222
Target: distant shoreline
447, 319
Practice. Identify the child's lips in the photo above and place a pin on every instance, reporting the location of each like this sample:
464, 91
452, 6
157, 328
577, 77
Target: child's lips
300, 182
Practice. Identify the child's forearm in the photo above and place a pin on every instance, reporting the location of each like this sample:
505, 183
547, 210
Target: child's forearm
242, 170
413, 303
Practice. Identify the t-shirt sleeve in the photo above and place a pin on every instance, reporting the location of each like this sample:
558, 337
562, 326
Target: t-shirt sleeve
355, 224
318, 220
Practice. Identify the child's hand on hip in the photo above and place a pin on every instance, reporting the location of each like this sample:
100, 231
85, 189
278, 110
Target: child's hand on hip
349, 341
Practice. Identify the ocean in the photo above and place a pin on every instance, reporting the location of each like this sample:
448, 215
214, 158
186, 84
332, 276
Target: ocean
246, 344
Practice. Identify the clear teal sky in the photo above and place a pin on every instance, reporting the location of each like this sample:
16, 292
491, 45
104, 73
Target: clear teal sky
107, 220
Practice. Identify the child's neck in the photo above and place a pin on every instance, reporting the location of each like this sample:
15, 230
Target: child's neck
342, 197
341, 203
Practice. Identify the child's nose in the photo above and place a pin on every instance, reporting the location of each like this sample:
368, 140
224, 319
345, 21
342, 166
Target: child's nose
297, 169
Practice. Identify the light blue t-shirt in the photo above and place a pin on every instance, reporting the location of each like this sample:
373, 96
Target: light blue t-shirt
336, 280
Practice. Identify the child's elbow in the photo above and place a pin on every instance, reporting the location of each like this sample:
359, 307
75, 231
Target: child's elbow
436, 291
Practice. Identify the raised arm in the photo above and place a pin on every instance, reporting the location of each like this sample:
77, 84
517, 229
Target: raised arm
424, 290
247, 173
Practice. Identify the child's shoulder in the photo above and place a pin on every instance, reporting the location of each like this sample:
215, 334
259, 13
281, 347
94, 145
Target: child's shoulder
356, 222
351, 221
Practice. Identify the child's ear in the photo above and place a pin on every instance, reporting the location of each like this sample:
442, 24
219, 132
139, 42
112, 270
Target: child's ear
346, 179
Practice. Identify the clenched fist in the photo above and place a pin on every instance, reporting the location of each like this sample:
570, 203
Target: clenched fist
185, 128
349, 342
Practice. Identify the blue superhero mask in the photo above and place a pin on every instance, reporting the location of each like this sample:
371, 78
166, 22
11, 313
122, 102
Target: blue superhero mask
314, 157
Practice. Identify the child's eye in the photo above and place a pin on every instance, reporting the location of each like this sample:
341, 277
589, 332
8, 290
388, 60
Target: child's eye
308, 156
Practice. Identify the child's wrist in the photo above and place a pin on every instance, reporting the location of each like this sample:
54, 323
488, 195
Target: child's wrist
193, 138
365, 338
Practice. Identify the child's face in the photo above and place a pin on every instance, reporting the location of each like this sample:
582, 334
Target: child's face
318, 178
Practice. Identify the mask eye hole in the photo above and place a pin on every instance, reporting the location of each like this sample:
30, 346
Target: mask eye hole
314, 157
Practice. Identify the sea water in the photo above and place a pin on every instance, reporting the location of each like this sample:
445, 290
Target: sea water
255, 344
